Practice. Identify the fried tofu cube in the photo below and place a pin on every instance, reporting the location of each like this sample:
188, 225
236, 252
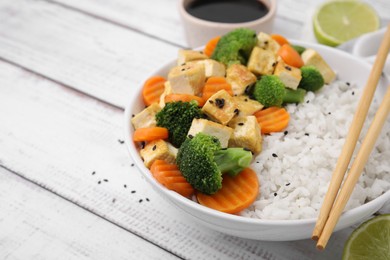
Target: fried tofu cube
189, 55
214, 68
239, 78
220, 107
313, 58
246, 133
147, 117
290, 76
262, 62
246, 106
167, 91
188, 78
158, 150
265, 42
208, 127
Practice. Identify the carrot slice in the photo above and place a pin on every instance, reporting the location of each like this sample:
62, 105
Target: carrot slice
169, 175
184, 98
236, 194
279, 39
210, 46
152, 89
272, 119
290, 56
215, 84
150, 134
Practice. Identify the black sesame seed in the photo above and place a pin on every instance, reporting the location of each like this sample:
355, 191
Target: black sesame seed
133, 191
142, 145
307, 134
190, 136
113, 200
236, 111
93, 173
275, 194
105, 180
154, 147
274, 155
211, 102
140, 200
99, 182
274, 64
147, 199
132, 165
353, 93
125, 186
183, 69
288, 184
285, 132
288, 68
240, 123
121, 141
246, 100
220, 102
308, 101
329, 113
257, 162
266, 42
132, 115
347, 83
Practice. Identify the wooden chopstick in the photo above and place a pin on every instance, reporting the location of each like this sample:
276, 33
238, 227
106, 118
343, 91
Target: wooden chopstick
353, 135
356, 169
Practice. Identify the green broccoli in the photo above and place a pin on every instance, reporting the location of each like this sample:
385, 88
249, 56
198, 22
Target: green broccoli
299, 49
235, 46
269, 91
312, 79
294, 96
202, 162
177, 118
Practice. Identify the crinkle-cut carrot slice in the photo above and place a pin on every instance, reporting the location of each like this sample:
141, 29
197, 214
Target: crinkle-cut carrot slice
215, 84
169, 175
150, 133
152, 89
237, 193
272, 119
210, 46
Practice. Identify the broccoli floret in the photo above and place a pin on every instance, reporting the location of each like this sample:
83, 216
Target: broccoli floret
294, 96
235, 46
312, 79
177, 118
202, 162
269, 91
299, 49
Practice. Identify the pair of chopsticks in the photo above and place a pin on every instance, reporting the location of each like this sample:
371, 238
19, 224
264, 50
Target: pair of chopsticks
332, 207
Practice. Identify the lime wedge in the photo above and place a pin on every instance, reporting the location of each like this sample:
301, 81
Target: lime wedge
338, 21
371, 240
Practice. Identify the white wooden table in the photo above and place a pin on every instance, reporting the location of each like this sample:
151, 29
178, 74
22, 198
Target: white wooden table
68, 189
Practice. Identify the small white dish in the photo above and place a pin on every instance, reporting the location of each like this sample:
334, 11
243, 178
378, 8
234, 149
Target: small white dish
348, 68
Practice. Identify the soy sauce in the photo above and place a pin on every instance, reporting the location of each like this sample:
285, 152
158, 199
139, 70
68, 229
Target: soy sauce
227, 11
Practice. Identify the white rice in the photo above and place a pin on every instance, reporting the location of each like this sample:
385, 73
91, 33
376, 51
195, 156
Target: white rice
293, 184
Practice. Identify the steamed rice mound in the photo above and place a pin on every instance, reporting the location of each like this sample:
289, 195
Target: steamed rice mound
295, 167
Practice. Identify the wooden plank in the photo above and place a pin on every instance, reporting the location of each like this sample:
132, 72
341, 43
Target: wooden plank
36, 224
88, 54
68, 143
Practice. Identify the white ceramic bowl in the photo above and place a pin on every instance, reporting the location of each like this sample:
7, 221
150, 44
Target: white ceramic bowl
348, 68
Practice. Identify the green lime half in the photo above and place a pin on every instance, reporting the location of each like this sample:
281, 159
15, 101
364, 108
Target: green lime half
338, 21
370, 241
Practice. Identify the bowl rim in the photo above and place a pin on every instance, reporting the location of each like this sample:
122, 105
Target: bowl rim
377, 202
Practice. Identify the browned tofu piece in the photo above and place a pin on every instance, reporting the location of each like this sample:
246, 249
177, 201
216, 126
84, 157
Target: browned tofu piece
246, 106
147, 117
190, 55
313, 58
158, 150
266, 42
208, 127
214, 68
289, 75
246, 133
220, 107
262, 62
188, 78
239, 78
